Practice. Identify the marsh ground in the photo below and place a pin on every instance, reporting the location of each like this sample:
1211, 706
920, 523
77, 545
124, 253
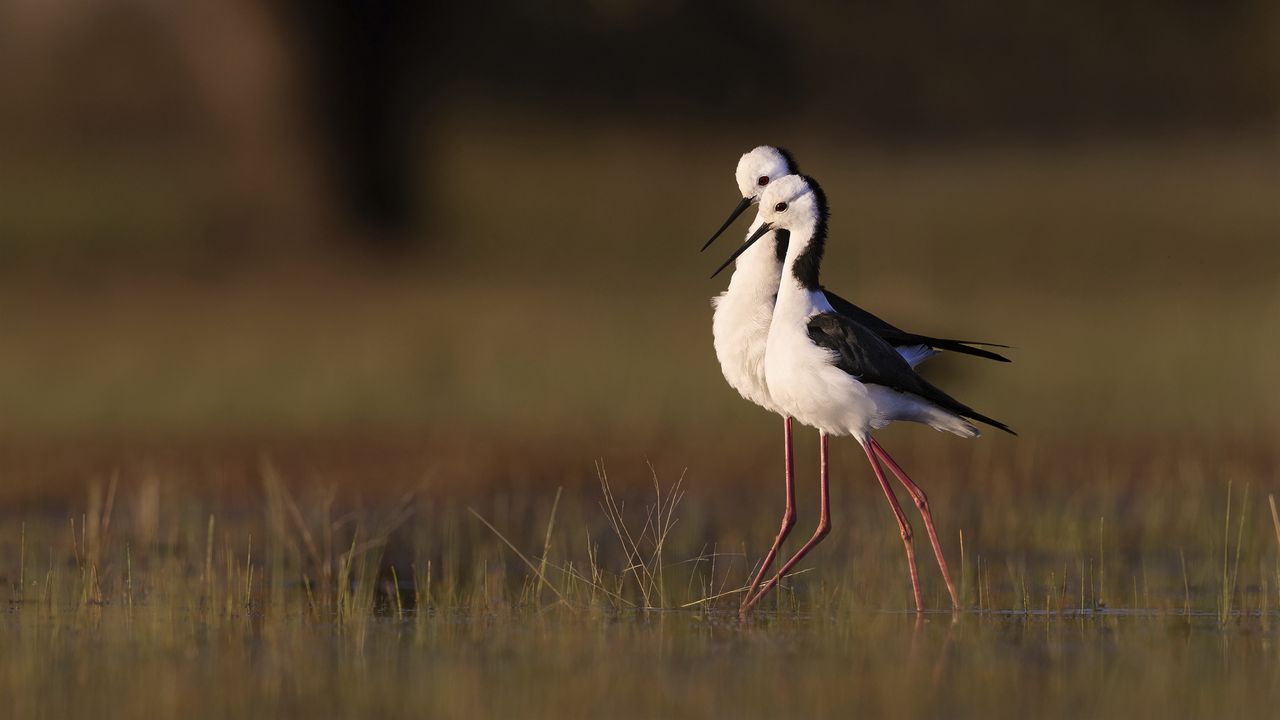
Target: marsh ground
281, 573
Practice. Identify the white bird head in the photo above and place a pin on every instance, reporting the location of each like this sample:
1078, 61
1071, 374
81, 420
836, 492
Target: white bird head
793, 203
756, 169
761, 166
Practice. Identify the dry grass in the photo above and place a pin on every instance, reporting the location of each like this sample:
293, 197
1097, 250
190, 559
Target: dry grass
306, 598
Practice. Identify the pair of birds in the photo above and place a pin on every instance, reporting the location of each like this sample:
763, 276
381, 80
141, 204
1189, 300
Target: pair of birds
794, 348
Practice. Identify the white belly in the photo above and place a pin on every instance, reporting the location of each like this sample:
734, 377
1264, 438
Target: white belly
741, 329
807, 386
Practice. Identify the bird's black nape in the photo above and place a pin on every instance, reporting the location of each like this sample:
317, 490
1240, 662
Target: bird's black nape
809, 264
820, 197
792, 167
781, 239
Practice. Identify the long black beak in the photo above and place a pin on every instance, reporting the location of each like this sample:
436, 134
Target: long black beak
742, 207
764, 229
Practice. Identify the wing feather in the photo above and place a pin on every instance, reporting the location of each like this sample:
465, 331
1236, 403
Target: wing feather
897, 337
872, 360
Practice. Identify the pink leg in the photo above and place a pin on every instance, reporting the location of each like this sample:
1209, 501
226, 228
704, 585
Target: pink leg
788, 517
904, 527
824, 527
922, 503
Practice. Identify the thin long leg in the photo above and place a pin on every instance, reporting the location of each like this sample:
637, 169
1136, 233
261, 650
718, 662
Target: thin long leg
904, 527
788, 517
922, 502
824, 527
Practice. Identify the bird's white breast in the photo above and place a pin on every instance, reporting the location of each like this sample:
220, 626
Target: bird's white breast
803, 379
740, 325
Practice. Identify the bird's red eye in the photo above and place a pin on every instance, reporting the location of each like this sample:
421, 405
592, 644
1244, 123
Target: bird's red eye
780, 207
764, 180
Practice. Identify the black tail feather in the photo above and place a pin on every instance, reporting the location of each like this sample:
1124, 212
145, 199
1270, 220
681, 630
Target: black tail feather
990, 421
898, 337
966, 347
938, 397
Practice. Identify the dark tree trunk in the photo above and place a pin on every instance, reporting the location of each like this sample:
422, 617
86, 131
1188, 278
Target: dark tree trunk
360, 63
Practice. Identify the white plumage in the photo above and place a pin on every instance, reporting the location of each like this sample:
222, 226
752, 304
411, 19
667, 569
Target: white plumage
774, 356
743, 312
803, 379
740, 323
804, 382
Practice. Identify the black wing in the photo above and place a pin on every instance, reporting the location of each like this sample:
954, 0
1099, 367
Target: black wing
867, 356
898, 337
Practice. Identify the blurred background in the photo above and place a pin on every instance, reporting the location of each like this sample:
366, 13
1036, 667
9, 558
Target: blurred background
408, 237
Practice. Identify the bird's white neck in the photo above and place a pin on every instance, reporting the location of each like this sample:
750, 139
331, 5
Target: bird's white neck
756, 271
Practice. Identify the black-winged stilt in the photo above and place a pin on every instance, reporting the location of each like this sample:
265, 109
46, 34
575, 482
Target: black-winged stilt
741, 325
834, 374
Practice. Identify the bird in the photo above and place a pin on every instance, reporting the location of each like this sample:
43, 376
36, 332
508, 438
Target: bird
756, 169
740, 327
835, 374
